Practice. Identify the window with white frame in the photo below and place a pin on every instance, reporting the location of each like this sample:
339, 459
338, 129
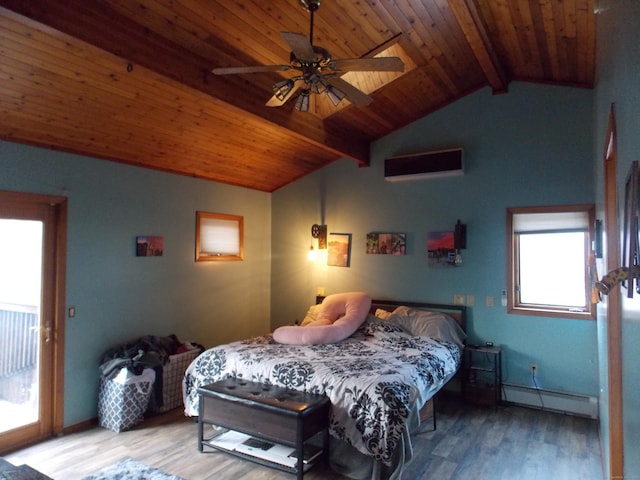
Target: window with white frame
549, 267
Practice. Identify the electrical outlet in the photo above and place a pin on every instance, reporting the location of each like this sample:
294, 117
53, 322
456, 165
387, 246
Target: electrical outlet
534, 369
458, 299
470, 300
489, 301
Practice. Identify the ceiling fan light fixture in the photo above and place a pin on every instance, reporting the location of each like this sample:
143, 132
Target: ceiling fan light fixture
317, 71
302, 102
317, 87
282, 89
335, 95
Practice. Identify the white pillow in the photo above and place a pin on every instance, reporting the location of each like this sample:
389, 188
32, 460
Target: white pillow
423, 323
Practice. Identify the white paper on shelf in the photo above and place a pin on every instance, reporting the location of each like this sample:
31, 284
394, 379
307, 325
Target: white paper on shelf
234, 441
229, 440
277, 453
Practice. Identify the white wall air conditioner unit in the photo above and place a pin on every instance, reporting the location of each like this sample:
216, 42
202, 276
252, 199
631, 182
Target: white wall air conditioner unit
442, 163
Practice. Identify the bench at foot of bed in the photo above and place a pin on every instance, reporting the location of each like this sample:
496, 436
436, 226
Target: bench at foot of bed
274, 426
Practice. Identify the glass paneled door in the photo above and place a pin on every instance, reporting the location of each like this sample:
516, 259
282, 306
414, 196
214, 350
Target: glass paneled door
28, 279
20, 292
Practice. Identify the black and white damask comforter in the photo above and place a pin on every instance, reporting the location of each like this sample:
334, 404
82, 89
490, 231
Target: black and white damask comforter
373, 379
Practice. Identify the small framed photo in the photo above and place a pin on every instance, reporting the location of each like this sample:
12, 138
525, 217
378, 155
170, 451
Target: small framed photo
149, 246
386, 243
339, 253
440, 248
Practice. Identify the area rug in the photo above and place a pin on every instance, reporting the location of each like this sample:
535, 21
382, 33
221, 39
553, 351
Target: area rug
130, 469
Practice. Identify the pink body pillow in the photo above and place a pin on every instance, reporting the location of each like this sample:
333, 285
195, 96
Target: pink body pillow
339, 316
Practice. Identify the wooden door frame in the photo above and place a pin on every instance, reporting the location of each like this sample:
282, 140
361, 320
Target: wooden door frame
614, 306
57, 302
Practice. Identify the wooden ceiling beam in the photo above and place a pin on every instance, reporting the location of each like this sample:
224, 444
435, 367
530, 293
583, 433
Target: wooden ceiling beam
97, 24
475, 31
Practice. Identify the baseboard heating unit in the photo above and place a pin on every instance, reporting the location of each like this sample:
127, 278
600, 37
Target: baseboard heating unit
553, 400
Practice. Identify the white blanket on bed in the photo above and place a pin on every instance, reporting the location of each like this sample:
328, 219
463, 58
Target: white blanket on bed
374, 378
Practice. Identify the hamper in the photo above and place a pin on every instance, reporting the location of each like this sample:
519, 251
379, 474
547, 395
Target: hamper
172, 376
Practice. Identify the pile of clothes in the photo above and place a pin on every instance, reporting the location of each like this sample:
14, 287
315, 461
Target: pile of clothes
149, 351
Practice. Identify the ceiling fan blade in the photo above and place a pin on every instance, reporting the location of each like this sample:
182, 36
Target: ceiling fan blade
374, 64
354, 95
251, 69
299, 45
277, 102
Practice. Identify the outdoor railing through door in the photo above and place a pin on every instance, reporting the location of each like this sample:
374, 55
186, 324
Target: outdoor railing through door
18, 339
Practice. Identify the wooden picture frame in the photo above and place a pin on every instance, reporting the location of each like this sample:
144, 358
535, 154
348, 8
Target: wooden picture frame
219, 237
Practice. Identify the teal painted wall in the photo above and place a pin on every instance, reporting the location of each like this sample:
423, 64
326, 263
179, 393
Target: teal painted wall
532, 146
119, 296
516, 154
618, 82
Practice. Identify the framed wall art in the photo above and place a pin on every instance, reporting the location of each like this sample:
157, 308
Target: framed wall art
630, 242
339, 253
149, 246
441, 248
386, 243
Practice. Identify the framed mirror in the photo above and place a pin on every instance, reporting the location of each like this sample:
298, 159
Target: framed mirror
219, 237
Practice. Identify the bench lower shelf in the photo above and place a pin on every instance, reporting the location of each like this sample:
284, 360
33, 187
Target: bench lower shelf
265, 452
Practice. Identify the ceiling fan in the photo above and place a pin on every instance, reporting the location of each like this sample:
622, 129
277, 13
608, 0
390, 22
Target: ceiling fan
318, 72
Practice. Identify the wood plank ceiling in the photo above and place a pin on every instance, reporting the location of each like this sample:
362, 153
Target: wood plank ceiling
131, 81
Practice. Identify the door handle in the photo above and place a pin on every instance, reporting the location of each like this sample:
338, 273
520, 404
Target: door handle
47, 333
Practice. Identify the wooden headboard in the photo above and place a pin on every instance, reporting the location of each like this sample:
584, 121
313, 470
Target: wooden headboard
458, 312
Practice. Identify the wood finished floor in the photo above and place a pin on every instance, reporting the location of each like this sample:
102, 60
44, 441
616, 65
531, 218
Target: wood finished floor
470, 443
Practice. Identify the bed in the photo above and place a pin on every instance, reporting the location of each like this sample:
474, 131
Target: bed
377, 380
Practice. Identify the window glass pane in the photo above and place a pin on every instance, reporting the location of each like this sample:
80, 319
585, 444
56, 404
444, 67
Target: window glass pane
552, 269
219, 237
21, 248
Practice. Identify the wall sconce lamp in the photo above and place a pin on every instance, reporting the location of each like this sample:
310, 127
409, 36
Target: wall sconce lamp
459, 241
319, 232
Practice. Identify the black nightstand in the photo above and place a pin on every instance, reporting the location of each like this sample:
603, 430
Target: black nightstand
482, 375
